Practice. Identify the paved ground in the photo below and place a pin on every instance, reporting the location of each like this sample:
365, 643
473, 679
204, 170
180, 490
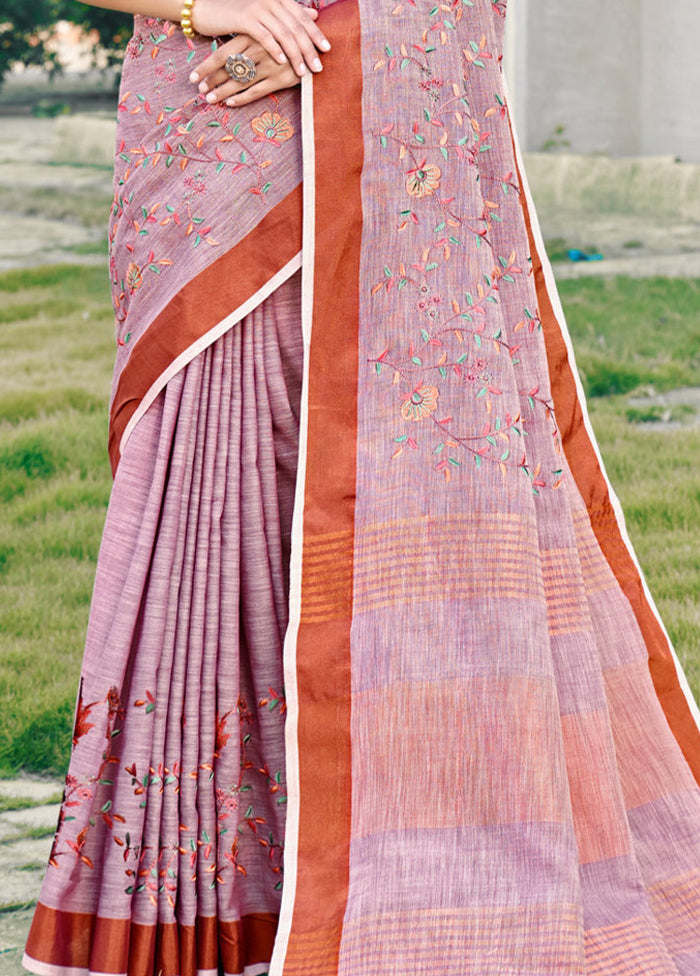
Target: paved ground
28, 819
35, 165
57, 157
29, 177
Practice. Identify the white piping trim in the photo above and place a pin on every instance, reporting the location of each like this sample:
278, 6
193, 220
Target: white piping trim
291, 839
233, 318
559, 313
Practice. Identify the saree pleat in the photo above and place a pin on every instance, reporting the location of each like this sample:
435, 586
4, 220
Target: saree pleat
202, 498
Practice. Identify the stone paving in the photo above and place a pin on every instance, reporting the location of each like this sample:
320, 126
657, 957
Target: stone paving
29, 149
39, 154
29, 812
643, 215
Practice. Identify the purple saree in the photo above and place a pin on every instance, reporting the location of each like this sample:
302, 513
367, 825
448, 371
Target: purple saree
489, 753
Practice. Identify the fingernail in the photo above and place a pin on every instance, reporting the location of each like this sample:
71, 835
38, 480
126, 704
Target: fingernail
194, 77
325, 45
302, 69
203, 87
211, 97
316, 65
231, 102
282, 58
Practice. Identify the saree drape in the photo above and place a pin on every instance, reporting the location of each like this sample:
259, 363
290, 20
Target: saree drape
491, 757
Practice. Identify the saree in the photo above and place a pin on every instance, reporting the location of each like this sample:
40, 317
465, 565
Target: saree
373, 682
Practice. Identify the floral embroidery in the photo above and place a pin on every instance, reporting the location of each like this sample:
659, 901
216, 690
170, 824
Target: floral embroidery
207, 143
465, 349
271, 127
419, 403
134, 277
423, 179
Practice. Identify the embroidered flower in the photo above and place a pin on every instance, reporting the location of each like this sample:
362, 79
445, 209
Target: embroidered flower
195, 184
272, 127
134, 278
432, 86
423, 180
420, 403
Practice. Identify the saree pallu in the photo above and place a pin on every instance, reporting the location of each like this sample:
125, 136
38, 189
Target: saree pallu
491, 758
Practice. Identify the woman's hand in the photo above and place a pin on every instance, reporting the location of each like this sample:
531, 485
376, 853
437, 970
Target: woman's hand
270, 75
284, 28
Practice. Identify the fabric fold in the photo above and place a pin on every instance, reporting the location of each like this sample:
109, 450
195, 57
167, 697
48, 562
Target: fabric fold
362, 559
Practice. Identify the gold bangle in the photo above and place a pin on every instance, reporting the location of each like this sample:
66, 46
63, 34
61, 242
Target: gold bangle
186, 19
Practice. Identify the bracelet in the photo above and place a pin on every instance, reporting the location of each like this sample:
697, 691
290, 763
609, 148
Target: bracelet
186, 19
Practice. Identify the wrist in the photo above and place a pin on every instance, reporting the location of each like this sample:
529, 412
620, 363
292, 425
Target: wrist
207, 18
186, 18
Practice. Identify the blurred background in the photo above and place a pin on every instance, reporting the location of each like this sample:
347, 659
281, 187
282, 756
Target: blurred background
604, 97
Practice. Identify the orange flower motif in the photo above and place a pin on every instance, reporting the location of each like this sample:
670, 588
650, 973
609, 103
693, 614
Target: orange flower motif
423, 180
272, 127
420, 403
134, 278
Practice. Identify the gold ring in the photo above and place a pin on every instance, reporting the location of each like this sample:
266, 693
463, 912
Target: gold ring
240, 68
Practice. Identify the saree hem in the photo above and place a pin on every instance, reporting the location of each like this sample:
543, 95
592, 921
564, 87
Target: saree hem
207, 339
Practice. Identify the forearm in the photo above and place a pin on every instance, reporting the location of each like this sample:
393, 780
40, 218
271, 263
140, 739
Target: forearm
167, 9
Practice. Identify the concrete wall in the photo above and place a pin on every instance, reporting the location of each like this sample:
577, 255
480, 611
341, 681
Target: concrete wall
621, 76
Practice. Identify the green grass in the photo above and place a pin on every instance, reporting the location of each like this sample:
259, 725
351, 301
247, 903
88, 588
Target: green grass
56, 352
88, 205
8, 803
631, 333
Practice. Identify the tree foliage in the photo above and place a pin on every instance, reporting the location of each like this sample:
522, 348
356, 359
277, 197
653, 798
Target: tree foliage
25, 28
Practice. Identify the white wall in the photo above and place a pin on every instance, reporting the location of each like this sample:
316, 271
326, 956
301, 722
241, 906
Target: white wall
622, 76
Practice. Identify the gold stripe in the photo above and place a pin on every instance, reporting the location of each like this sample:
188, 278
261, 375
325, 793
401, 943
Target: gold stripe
367, 597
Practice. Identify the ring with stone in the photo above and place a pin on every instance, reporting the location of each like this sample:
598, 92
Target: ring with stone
240, 68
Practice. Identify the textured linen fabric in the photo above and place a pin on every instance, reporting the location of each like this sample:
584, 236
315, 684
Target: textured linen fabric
488, 754
173, 817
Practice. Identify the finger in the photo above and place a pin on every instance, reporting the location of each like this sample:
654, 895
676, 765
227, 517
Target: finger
217, 59
308, 15
289, 37
264, 36
223, 86
259, 90
305, 45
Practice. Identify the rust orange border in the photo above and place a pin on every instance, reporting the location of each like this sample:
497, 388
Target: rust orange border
71, 939
323, 647
594, 488
203, 303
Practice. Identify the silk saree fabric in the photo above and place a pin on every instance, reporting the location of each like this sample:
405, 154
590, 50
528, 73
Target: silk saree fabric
491, 758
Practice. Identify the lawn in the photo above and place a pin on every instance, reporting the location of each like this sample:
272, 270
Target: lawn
56, 352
